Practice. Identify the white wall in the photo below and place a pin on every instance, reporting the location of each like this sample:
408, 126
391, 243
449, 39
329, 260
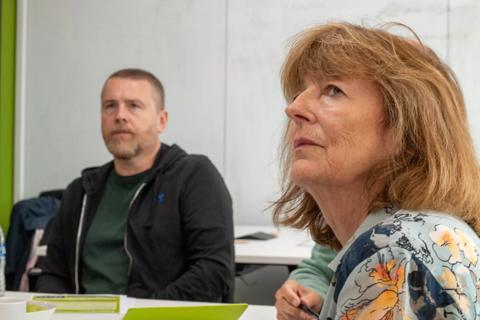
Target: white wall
464, 57
219, 61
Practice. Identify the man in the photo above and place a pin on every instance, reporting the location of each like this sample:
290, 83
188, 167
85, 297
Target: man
153, 223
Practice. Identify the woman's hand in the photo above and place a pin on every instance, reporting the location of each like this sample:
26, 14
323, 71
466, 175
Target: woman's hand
289, 297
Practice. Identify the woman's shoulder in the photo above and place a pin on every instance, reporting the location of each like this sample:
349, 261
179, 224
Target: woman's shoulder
419, 218
433, 239
419, 252
426, 235
412, 229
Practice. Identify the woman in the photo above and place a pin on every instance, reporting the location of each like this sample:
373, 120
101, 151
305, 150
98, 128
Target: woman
379, 164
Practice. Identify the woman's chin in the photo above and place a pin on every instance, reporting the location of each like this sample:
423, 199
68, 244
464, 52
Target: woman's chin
302, 176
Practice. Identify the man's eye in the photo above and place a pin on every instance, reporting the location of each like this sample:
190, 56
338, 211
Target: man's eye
333, 91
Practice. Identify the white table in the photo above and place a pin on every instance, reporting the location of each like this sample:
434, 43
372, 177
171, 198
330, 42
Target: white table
252, 313
289, 247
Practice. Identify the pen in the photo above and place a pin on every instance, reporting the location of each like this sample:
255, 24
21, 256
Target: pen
308, 310
305, 309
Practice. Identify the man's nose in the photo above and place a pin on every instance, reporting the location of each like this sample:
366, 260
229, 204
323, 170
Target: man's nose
122, 112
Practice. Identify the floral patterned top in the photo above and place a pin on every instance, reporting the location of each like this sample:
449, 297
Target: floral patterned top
407, 265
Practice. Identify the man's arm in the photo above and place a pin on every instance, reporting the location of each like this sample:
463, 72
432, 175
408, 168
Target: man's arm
206, 210
55, 277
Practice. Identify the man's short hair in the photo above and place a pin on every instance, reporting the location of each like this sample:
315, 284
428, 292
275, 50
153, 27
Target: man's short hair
139, 74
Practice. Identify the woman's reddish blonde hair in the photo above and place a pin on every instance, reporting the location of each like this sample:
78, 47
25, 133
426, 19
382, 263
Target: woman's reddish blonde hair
436, 166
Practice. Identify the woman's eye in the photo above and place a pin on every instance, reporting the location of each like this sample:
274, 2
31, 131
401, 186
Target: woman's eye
333, 91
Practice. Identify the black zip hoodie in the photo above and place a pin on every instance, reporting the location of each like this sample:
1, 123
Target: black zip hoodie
179, 231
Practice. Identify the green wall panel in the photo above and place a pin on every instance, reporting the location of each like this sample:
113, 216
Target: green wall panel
7, 106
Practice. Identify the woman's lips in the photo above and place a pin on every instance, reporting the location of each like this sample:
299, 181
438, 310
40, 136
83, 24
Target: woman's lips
302, 142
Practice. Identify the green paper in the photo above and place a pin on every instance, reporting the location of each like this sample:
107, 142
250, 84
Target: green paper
73, 303
210, 312
35, 307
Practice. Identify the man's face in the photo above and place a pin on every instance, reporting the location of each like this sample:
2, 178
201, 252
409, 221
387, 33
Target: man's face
131, 121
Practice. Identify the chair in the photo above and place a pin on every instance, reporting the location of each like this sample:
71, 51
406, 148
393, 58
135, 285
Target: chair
27, 221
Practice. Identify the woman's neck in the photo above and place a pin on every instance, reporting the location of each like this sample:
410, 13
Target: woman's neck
344, 208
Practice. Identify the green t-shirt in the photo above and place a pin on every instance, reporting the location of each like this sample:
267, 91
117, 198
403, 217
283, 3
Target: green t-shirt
105, 261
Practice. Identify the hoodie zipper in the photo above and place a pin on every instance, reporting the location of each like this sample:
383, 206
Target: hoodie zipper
77, 247
125, 237
79, 233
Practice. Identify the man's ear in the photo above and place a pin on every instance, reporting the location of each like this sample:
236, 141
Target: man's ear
162, 121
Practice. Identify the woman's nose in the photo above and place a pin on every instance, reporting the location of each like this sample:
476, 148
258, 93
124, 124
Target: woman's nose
299, 111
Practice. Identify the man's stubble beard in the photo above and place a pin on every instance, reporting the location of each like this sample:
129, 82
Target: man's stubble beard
123, 150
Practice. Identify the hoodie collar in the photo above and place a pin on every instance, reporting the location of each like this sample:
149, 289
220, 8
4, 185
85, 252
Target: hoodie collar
94, 178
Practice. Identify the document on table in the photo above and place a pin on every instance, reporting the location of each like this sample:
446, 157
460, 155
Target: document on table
210, 312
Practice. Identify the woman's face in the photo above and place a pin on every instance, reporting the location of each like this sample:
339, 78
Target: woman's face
337, 134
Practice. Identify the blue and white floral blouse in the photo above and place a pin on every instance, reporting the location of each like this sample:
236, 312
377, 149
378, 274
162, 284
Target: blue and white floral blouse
407, 265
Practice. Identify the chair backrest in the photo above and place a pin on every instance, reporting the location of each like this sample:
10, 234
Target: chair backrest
27, 216
55, 193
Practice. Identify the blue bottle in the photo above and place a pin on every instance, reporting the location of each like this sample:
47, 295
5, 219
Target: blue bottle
3, 254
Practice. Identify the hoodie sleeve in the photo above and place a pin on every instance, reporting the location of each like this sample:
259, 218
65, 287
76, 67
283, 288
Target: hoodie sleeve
207, 221
56, 276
